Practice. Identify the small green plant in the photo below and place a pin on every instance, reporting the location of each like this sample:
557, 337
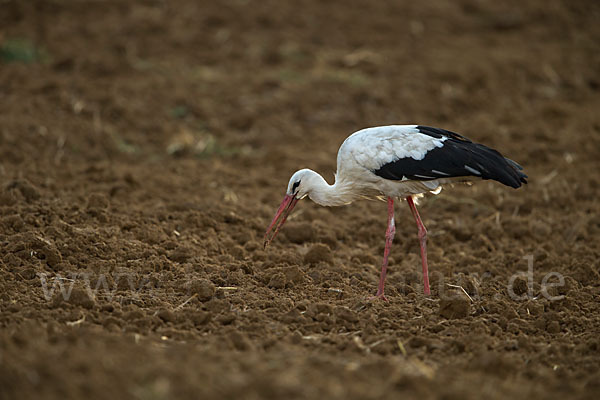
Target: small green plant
201, 145
209, 146
123, 145
179, 112
20, 50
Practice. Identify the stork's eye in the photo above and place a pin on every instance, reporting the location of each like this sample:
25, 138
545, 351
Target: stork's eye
295, 186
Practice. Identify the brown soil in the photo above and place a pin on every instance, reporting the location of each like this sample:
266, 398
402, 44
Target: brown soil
145, 146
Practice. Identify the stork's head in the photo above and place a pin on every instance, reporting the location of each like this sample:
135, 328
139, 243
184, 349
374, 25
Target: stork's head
300, 183
298, 188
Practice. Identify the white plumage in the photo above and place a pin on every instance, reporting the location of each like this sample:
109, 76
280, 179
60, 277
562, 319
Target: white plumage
373, 147
397, 161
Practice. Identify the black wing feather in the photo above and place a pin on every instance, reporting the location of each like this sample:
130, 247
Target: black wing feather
458, 157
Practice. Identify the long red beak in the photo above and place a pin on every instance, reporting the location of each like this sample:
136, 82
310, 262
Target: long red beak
286, 207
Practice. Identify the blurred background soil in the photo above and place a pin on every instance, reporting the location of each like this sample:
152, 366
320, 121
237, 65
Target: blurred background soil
145, 145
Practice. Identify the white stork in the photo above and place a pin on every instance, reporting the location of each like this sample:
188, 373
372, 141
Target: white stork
398, 161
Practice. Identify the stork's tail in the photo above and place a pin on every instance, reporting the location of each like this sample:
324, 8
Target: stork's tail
493, 165
518, 169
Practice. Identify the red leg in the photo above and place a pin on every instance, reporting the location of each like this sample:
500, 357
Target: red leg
389, 236
422, 242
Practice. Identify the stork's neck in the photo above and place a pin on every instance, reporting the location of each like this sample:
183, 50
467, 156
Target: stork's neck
324, 194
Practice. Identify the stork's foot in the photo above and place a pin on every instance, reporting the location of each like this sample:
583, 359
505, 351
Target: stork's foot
379, 296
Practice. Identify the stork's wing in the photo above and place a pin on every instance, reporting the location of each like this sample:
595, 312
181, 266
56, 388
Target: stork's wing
453, 156
372, 148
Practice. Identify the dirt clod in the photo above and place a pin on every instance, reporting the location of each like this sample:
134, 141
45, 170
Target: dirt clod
26, 188
277, 281
346, 314
78, 297
299, 233
553, 327
293, 275
204, 288
166, 315
240, 341
97, 201
199, 317
318, 253
456, 306
520, 286
181, 254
